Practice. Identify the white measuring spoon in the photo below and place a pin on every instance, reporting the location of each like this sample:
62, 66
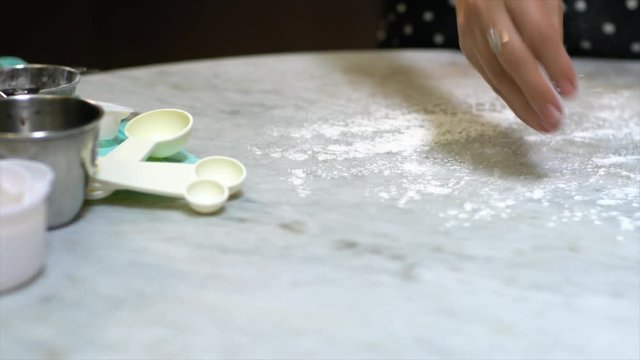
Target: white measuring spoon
166, 178
198, 183
158, 133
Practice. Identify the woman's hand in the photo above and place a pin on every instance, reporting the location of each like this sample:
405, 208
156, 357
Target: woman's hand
510, 42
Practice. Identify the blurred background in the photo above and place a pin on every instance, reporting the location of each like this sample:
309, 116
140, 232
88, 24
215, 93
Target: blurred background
112, 34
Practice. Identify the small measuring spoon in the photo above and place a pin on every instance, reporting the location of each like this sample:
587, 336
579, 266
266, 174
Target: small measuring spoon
158, 133
198, 183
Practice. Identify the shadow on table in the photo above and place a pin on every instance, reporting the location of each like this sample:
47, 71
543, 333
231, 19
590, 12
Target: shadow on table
460, 129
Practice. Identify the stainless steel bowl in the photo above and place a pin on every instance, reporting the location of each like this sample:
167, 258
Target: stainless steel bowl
39, 79
60, 131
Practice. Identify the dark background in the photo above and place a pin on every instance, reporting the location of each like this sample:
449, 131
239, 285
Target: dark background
114, 34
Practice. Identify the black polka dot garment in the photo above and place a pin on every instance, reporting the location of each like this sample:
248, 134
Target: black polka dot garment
597, 28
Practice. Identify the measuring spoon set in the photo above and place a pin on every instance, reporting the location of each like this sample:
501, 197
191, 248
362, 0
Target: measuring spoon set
205, 185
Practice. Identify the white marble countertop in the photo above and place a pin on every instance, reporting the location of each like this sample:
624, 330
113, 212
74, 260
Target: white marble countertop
394, 208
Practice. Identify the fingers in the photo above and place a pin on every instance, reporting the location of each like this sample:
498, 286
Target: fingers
504, 85
514, 71
519, 62
542, 32
512, 95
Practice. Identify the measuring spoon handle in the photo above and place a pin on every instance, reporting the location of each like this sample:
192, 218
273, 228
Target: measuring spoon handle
159, 178
132, 150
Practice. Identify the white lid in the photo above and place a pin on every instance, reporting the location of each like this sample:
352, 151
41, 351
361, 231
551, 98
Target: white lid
23, 184
24, 187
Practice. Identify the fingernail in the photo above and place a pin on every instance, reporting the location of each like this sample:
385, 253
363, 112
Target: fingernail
566, 88
551, 118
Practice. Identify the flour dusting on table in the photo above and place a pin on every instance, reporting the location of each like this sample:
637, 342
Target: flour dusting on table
472, 158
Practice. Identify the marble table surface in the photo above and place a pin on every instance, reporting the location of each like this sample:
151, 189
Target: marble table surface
394, 208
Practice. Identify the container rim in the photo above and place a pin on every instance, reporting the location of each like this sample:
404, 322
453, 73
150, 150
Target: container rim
74, 83
52, 134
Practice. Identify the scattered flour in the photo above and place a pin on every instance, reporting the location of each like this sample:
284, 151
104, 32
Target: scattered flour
475, 160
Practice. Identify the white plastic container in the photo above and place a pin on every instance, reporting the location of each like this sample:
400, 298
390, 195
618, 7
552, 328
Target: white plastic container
24, 187
110, 121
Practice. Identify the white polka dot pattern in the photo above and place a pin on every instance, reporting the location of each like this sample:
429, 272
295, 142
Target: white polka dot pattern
408, 29
401, 8
580, 5
438, 39
608, 28
591, 27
